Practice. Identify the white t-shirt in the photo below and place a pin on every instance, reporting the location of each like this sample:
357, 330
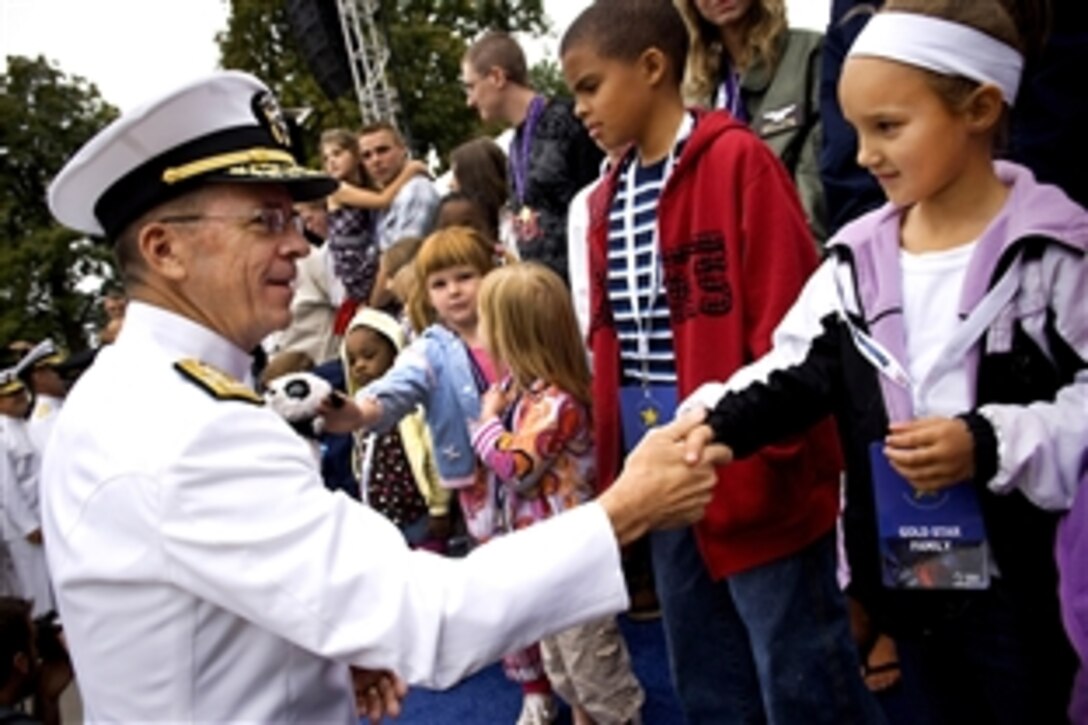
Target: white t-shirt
932, 284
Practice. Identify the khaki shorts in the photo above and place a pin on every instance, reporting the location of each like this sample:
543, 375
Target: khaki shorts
589, 667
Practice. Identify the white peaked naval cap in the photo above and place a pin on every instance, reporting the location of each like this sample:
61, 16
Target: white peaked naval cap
224, 127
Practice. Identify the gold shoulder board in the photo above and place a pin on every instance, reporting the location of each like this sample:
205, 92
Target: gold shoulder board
216, 382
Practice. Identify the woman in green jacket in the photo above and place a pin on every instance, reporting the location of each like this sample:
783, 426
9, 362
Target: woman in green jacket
746, 59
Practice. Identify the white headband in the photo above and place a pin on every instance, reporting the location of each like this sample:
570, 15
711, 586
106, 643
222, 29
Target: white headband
943, 46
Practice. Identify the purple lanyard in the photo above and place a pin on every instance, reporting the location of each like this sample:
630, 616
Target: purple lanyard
519, 149
729, 96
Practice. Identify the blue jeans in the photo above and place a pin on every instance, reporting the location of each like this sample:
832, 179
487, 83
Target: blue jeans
767, 645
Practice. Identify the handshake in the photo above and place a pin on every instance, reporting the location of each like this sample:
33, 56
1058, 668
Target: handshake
667, 480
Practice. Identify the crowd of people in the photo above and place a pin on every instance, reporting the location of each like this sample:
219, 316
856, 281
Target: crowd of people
780, 331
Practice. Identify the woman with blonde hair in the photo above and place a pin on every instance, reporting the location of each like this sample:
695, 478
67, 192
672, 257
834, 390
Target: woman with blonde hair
746, 59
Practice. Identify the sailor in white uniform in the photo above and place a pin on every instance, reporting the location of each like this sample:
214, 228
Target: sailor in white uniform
20, 521
203, 573
41, 376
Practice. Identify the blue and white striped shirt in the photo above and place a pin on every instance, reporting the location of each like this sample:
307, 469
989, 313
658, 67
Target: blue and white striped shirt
636, 289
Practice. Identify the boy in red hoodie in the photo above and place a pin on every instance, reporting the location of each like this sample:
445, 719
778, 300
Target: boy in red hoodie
697, 247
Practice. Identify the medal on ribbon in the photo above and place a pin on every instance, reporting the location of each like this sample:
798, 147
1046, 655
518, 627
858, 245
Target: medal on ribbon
643, 408
649, 413
526, 225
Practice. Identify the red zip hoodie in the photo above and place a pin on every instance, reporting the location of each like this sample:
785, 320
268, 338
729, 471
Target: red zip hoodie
735, 252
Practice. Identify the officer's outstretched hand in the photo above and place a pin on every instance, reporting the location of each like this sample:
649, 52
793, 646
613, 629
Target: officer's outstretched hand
378, 693
668, 479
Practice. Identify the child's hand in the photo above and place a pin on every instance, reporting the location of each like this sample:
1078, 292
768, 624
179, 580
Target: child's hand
699, 439
931, 453
497, 399
660, 485
341, 414
338, 198
415, 166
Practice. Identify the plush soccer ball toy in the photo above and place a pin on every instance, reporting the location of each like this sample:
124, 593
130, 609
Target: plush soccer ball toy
295, 397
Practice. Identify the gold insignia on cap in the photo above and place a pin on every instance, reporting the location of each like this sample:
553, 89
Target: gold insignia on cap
220, 162
216, 383
271, 171
271, 117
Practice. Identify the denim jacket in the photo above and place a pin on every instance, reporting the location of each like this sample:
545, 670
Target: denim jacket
435, 371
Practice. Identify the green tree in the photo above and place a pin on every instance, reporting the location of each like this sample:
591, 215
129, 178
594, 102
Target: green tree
45, 116
426, 71
426, 38
547, 77
258, 39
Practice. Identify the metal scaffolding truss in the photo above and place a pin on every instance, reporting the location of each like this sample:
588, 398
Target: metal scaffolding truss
368, 56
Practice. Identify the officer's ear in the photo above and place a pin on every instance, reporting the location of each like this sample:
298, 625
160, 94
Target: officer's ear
166, 249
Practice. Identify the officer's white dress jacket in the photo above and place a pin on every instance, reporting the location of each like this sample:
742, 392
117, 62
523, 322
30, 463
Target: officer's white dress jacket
204, 574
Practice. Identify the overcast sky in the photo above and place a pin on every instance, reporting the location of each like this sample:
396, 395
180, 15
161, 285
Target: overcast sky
134, 49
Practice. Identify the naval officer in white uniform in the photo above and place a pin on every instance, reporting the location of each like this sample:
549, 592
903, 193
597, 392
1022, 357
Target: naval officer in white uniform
202, 571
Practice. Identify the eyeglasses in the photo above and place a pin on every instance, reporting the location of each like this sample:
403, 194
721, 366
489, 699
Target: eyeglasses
273, 221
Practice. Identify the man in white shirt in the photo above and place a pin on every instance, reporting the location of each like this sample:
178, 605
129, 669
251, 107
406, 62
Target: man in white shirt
202, 571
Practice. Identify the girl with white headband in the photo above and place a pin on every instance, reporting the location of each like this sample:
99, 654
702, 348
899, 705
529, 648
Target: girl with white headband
947, 333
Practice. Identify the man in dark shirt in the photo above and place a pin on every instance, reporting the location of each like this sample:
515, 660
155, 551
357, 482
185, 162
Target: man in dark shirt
551, 156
